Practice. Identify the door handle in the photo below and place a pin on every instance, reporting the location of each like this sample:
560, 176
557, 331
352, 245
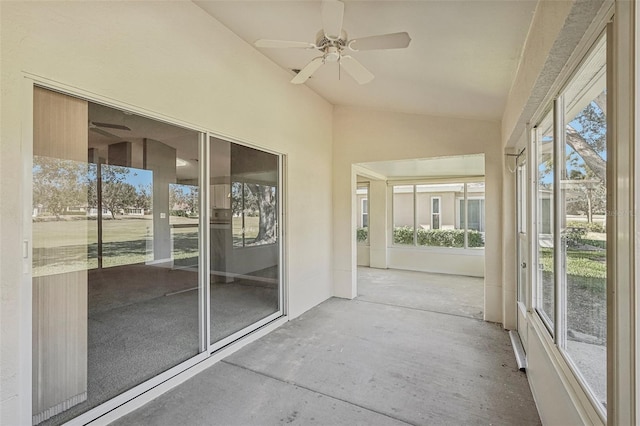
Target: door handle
523, 264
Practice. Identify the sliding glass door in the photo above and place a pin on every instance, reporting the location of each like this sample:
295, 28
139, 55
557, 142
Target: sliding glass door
150, 245
245, 241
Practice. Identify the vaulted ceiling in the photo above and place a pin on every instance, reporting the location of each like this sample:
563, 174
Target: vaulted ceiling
461, 61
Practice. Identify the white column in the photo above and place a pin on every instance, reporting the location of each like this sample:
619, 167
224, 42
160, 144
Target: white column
378, 224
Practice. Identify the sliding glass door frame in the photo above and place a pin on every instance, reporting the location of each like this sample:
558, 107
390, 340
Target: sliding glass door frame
215, 346
205, 347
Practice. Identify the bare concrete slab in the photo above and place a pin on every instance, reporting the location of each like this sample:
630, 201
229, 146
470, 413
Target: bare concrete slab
453, 294
364, 361
415, 366
231, 395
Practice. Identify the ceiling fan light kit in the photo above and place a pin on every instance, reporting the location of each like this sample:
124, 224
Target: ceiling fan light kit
332, 41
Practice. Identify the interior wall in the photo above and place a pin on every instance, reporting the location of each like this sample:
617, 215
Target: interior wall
364, 135
174, 60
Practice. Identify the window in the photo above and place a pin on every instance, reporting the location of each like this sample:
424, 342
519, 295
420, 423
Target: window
545, 249
571, 221
364, 219
475, 216
438, 220
581, 212
435, 212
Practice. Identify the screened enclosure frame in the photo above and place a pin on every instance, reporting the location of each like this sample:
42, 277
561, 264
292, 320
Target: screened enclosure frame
464, 181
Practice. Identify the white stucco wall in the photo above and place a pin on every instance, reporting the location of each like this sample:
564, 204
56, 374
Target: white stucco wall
363, 135
174, 60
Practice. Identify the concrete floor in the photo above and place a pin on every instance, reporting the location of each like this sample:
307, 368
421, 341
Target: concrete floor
366, 361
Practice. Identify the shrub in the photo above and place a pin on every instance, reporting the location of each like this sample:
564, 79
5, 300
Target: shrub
403, 235
574, 236
589, 227
362, 234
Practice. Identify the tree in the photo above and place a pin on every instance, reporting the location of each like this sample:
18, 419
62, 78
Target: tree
59, 184
265, 197
117, 193
585, 195
192, 199
586, 164
143, 197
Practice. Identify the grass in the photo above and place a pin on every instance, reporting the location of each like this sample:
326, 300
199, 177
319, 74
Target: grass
64, 246
585, 268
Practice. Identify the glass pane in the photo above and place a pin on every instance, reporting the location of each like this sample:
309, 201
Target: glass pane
115, 267
584, 221
245, 250
475, 215
545, 302
260, 214
362, 200
126, 197
438, 225
184, 215
403, 215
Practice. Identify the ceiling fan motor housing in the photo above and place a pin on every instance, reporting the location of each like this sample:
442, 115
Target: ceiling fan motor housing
322, 42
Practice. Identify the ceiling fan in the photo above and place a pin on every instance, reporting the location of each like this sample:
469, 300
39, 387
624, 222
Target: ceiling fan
332, 42
94, 126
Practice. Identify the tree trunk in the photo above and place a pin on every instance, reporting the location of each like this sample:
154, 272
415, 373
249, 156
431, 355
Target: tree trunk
267, 210
591, 158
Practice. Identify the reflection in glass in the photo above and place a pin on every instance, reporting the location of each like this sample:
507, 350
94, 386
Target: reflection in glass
115, 269
546, 292
125, 195
245, 249
583, 197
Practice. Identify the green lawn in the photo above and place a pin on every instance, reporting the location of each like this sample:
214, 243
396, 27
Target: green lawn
71, 245
589, 267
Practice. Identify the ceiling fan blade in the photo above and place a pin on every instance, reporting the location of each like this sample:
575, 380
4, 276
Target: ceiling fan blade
356, 70
284, 44
308, 70
384, 41
332, 16
103, 132
111, 126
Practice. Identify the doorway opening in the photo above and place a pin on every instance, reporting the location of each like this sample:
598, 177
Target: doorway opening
426, 220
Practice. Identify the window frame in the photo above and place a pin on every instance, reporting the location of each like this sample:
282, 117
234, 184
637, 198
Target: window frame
433, 212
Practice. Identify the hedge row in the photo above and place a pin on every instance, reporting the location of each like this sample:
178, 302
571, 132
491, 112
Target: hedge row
432, 237
437, 237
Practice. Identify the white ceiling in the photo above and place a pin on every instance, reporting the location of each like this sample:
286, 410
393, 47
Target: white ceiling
437, 167
461, 61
